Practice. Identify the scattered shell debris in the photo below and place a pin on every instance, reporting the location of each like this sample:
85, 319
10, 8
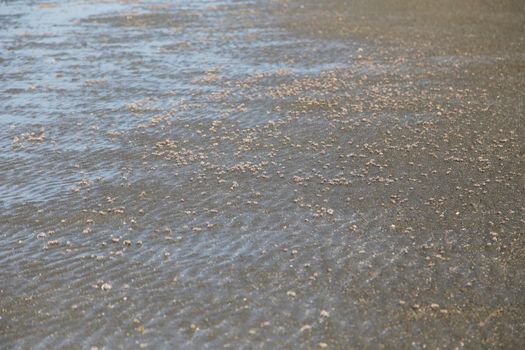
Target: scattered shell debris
310, 174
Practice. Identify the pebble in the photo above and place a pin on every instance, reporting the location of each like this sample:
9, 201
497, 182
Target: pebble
306, 327
106, 286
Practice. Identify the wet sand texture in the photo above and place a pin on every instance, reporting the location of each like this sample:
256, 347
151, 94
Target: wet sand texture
262, 174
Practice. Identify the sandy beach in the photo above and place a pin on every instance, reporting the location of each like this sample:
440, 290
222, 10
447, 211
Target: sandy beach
262, 174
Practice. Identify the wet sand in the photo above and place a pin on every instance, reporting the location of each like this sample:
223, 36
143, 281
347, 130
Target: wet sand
262, 174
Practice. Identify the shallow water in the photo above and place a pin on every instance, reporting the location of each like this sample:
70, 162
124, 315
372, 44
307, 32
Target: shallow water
253, 174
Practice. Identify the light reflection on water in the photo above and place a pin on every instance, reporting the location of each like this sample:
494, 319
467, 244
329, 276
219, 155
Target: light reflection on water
255, 174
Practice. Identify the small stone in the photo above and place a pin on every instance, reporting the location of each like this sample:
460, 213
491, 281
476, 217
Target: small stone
323, 345
106, 286
324, 313
306, 327
434, 306
291, 294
